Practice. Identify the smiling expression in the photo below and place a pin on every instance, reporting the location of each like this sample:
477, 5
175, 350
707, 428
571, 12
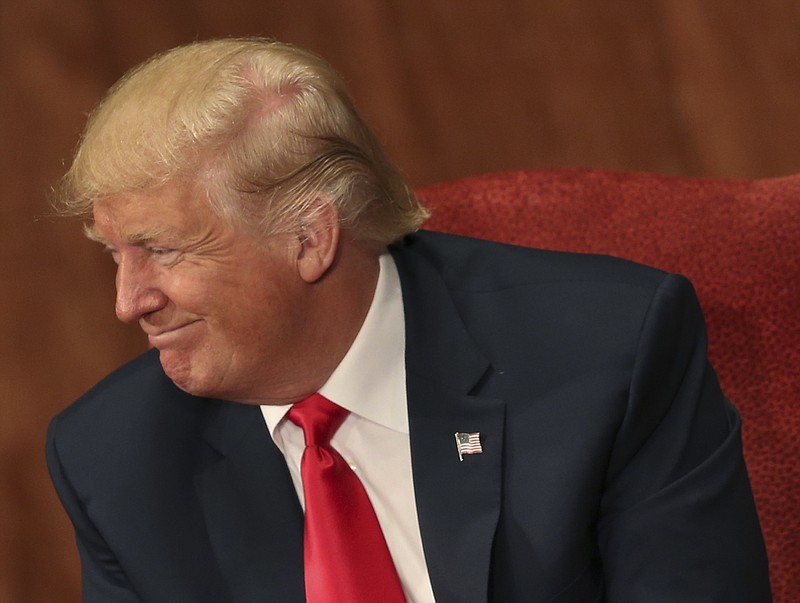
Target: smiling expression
225, 310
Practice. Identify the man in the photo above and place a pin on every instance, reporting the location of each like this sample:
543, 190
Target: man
526, 425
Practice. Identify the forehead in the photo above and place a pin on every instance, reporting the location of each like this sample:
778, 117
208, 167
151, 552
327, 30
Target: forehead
141, 216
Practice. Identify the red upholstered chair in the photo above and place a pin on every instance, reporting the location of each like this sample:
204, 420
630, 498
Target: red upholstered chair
739, 243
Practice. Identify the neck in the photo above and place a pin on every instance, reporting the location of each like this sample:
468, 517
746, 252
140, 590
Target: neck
336, 307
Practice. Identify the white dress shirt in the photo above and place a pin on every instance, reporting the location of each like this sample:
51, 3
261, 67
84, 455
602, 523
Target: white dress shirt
370, 382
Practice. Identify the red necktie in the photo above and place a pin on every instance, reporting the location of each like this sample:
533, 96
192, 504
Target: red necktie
346, 557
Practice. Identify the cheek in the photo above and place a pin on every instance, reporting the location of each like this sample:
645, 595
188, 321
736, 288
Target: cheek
257, 306
271, 318
205, 295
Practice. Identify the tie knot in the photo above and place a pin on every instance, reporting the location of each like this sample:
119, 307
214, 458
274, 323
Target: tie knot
318, 417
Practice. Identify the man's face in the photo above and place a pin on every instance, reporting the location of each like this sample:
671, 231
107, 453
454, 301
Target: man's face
225, 311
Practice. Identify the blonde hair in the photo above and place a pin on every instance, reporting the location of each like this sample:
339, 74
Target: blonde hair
268, 129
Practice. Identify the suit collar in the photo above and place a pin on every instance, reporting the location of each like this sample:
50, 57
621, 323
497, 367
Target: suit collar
440, 346
458, 502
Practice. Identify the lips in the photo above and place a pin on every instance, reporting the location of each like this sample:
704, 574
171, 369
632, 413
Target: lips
170, 335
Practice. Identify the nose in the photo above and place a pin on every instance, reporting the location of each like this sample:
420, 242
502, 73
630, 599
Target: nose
137, 290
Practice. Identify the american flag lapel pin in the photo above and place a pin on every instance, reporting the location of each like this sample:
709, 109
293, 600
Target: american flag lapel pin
468, 443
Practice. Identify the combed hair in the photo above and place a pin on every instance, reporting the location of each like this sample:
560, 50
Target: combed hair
267, 128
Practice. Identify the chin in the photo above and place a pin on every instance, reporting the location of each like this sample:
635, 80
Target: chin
186, 374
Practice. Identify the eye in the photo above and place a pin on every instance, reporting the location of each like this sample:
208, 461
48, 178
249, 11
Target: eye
164, 255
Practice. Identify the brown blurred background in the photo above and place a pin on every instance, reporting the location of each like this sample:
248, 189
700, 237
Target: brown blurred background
453, 87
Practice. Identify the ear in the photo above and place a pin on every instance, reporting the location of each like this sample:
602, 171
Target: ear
318, 237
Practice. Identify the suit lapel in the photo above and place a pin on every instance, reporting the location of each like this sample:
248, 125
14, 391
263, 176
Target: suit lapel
253, 517
458, 502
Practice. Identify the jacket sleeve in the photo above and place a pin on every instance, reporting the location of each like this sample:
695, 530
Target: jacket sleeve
678, 521
103, 579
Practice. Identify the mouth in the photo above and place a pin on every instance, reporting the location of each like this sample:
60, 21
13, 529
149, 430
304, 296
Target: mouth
170, 335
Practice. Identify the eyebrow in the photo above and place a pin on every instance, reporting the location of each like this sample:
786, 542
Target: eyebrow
135, 238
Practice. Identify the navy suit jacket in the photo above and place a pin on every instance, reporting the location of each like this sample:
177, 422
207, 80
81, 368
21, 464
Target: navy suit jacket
611, 468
